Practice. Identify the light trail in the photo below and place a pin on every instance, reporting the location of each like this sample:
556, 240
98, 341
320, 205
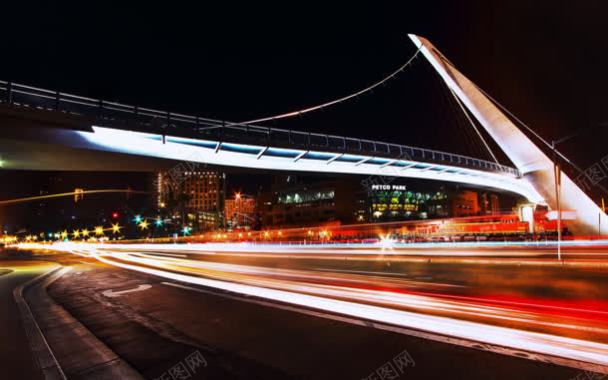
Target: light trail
397, 248
293, 279
481, 255
584, 351
552, 331
7, 202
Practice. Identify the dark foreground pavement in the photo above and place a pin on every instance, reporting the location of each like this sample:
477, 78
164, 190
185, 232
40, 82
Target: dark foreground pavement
164, 331
16, 360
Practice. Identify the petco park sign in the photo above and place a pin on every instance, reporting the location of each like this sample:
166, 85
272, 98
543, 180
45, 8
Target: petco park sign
388, 187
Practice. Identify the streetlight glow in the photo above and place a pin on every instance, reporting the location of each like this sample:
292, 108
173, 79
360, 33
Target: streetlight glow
143, 225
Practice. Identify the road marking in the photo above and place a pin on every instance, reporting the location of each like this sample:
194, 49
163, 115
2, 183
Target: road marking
112, 294
167, 254
362, 272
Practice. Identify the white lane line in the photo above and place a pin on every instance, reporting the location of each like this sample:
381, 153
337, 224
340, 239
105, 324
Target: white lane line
161, 254
112, 294
362, 272
168, 254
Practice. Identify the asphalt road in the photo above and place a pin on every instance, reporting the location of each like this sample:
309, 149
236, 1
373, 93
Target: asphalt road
155, 324
564, 300
292, 313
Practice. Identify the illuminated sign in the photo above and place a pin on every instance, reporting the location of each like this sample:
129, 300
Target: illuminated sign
388, 187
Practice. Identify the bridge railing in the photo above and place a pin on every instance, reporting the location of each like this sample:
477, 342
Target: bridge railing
123, 116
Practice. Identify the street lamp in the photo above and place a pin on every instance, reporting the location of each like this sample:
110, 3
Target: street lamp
116, 228
237, 202
557, 175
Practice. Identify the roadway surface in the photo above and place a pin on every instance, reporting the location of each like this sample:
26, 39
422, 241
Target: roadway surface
16, 360
281, 313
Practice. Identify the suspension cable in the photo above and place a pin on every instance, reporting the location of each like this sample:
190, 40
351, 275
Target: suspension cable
335, 101
539, 137
474, 127
529, 129
526, 126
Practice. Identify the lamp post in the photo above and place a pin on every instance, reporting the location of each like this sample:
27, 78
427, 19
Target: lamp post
557, 174
599, 220
237, 201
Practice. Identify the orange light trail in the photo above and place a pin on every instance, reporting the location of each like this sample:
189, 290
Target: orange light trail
7, 202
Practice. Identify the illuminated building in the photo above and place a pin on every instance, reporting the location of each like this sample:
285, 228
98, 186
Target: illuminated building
396, 202
319, 200
240, 210
466, 203
194, 196
312, 200
418, 200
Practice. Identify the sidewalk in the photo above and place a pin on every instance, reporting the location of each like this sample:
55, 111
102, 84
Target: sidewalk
16, 358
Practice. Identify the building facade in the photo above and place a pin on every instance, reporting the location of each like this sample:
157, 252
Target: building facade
306, 201
416, 200
192, 197
240, 211
398, 201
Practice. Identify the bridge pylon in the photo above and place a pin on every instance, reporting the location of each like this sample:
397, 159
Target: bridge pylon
532, 162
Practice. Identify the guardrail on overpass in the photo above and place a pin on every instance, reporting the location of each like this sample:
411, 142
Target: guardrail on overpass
123, 116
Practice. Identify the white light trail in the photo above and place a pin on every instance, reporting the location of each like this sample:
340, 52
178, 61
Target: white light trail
585, 351
379, 306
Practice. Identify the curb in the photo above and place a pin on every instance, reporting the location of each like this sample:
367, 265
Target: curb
94, 360
46, 360
5, 271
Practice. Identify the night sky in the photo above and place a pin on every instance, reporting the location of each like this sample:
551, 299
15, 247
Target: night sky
545, 60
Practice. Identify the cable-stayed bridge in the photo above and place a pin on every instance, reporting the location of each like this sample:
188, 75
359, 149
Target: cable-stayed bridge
50, 130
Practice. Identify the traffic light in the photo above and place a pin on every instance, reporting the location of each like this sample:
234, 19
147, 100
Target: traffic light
115, 215
78, 194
